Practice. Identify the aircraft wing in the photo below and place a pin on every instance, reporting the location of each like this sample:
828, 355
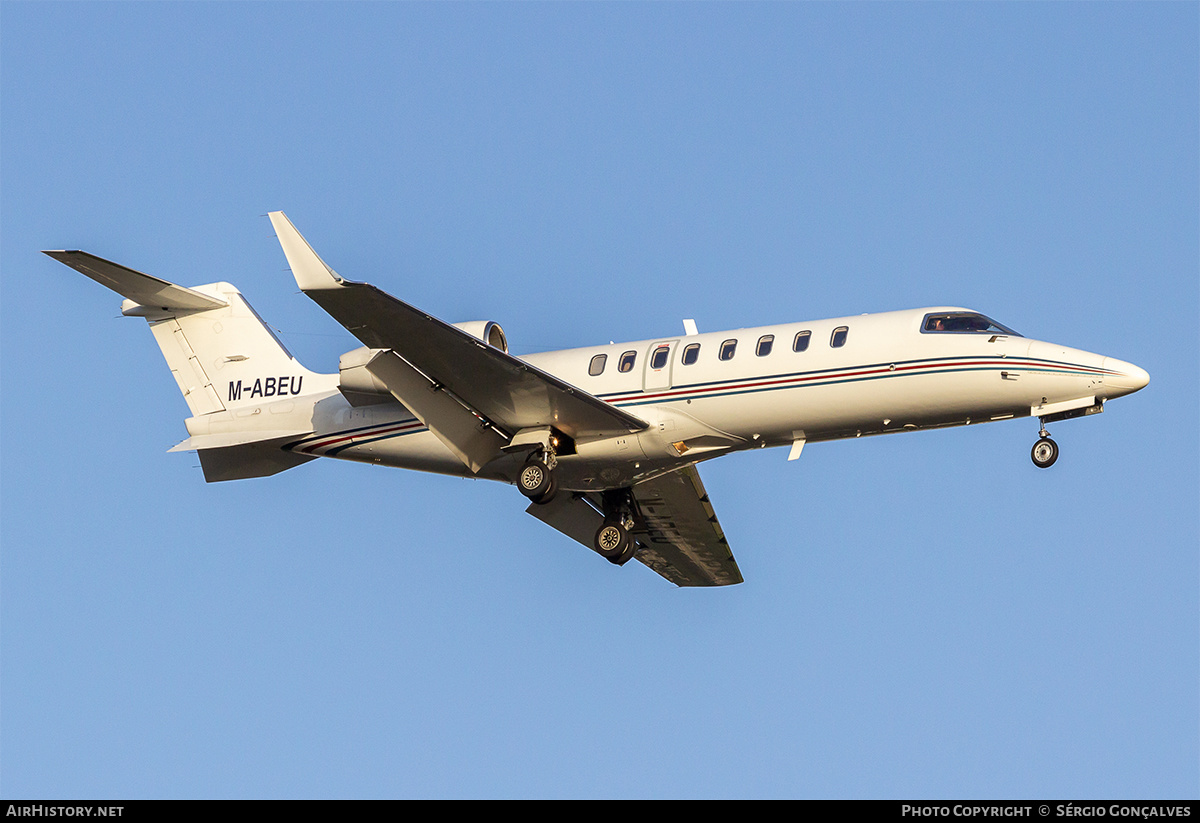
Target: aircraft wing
683, 542
678, 533
483, 383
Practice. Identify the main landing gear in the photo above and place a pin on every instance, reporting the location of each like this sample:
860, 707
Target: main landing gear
1045, 451
613, 540
536, 480
614, 543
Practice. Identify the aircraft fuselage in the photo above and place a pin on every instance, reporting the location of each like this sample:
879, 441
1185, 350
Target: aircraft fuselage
887, 375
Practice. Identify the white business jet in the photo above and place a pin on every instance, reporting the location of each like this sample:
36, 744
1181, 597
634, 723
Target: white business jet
602, 440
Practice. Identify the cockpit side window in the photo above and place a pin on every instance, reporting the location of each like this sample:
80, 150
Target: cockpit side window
963, 322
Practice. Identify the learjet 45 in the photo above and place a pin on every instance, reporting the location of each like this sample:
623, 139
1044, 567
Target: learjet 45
604, 440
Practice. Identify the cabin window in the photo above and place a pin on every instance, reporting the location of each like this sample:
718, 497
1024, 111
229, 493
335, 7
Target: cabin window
659, 358
963, 322
627, 361
838, 339
727, 349
597, 365
801, 341
691, 353
764, 345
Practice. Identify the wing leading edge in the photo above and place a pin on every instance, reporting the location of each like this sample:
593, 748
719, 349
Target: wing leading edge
490, 385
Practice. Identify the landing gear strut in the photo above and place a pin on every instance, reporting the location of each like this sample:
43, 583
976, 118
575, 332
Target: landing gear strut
1045, 451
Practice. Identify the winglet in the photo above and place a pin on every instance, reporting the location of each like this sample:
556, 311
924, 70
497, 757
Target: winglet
311, 272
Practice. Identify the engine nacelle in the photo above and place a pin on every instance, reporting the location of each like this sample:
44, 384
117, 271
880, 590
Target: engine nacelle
487, 331
358, 385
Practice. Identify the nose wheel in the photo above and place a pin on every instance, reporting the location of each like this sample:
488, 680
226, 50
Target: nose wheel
1044, 452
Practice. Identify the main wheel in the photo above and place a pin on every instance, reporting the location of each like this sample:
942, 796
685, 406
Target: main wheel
548, 494
536, 482
1044, 453
612, 541
626, 555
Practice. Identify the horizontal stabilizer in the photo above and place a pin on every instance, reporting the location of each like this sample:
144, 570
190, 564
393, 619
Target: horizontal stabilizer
143, 289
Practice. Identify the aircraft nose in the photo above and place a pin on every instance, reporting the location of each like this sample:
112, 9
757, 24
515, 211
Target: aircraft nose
1125, 377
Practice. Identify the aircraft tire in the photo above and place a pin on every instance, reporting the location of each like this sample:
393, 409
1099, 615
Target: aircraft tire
612, 541
536, 481
1044, 453
548, 494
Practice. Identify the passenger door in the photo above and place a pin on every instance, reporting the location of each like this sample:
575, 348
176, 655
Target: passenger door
660, 359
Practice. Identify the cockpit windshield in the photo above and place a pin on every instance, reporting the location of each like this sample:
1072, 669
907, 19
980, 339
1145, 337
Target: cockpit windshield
964, 322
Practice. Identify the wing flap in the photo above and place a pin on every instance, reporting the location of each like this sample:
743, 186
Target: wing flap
569, 514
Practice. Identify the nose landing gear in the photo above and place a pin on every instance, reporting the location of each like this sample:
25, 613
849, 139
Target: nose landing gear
1045, 451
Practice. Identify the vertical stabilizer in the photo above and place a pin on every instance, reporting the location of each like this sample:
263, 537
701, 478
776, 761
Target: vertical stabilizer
226, 357
219, 350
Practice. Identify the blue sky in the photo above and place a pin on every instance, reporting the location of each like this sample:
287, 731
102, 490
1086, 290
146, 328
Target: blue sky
924, 616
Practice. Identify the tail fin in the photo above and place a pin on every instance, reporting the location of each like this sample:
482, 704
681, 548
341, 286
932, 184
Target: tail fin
225, 359
220, 351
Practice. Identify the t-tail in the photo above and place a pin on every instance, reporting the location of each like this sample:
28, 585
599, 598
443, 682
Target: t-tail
243, 387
